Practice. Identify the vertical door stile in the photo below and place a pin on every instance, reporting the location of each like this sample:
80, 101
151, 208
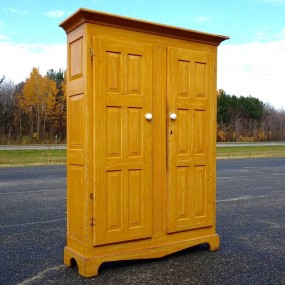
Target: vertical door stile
159, 138
171, 140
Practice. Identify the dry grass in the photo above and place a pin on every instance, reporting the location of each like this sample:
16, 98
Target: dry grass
10, 158
32, 157
250, 151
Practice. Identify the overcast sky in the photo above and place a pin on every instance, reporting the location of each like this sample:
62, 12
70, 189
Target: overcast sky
252, 62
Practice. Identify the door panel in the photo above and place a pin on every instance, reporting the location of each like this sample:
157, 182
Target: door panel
199, 132
189, 193
113, 131
114, 199
135, 142
123, 152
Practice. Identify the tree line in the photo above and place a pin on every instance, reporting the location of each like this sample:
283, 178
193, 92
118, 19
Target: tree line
34, 111
247, 119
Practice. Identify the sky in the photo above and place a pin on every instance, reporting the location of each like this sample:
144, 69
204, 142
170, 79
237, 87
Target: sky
251, 63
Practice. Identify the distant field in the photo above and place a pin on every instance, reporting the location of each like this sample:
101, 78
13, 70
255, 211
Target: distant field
32, 157
251, 151
58, 156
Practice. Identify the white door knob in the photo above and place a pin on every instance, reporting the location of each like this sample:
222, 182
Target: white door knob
148, 116
173, 116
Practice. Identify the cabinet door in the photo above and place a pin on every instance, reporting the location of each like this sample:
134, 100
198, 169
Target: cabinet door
123, 141
190, 189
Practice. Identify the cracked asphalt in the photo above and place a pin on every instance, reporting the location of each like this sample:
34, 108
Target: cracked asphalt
250, 221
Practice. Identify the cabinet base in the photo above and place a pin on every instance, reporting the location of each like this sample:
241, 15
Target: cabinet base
89, 266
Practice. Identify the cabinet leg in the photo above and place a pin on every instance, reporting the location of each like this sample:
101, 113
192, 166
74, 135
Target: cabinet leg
214, 243
86, 267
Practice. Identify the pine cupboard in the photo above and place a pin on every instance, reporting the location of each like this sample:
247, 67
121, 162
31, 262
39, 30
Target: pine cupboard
141, 146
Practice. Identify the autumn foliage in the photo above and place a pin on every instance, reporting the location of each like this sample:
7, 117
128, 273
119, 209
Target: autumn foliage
34, 111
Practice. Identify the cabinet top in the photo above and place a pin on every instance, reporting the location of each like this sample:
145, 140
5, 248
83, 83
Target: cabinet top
83, 16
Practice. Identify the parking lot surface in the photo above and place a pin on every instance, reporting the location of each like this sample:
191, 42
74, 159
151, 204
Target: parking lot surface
250, 221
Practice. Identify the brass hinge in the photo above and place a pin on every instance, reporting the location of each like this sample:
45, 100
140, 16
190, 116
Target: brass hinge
91, 51
92, 223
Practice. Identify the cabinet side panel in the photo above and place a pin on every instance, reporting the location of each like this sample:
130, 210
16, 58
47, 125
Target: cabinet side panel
75, 202
75, 58
76, 139
75, 131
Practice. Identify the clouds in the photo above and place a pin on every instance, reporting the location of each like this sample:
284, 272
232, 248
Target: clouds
17, 60
15, 11
255, 69
54, 13
266, 33
3, 37
21, 43
281, 34
201, 19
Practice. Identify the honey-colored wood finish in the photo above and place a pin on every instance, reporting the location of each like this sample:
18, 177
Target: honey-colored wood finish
123, 147
140, 181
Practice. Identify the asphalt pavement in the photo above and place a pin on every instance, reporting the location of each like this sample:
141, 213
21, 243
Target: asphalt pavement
250, 221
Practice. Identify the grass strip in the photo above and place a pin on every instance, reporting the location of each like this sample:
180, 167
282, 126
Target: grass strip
10, 158
32, 157
250, 151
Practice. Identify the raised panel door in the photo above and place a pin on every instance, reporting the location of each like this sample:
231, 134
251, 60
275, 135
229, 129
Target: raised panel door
189, 192
123, 141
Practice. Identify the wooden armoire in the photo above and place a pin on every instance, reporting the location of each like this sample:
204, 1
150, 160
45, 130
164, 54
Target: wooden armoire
141, 144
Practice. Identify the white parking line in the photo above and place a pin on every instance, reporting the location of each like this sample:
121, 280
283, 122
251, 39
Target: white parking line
40, 275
